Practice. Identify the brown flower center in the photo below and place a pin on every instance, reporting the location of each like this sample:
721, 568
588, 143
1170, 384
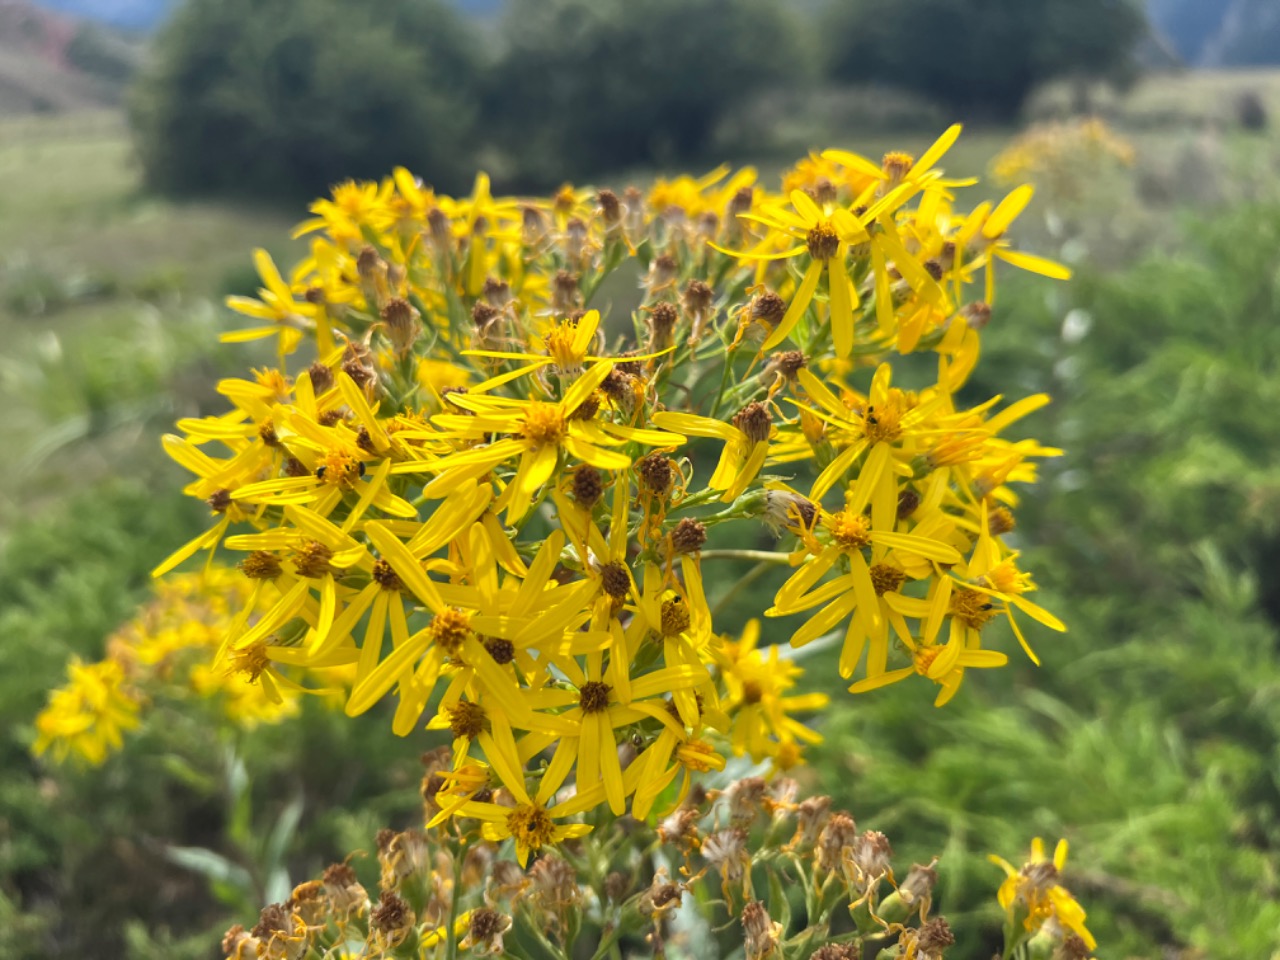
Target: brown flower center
593, 696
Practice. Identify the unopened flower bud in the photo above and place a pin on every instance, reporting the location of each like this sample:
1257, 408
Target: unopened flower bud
400, 319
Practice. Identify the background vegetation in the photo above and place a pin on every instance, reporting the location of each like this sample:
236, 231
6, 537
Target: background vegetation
1149, 738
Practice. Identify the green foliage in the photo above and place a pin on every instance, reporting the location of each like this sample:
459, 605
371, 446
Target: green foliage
587, 86
980, 58
276, 99
1149, 737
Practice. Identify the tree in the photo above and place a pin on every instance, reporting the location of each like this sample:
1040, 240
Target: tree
272, 98
981, 58
592, 85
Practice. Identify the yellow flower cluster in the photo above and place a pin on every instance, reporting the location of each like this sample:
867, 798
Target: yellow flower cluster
493, 486
167, 652
1063, 155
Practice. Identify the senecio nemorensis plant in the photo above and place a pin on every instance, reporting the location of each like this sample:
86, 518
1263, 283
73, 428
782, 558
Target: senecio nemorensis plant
491, 479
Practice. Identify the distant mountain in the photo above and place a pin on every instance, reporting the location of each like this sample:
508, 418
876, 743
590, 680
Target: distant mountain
145, 15
53, 63
1220, 33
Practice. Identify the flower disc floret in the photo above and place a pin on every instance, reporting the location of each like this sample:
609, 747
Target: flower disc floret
593, 696
971, 608
450, 629
823, 241
852, 531
675, 617
531, 826
543, 424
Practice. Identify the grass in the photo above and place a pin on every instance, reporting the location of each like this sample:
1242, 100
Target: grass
106, 300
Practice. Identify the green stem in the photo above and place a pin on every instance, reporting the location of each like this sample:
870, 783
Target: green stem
724, 381
761, 556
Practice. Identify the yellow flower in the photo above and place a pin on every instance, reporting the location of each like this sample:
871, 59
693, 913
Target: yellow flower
987, 228
824, 235
87, 717
943, 664
1036, 888
759, 701
539, 433
855, 537
746, 444
290, 318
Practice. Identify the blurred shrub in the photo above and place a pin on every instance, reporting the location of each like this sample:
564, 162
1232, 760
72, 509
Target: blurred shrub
596, 85
277, 99
1251, 111
981, 58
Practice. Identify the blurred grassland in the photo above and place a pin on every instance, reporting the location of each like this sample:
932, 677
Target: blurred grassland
1148, 738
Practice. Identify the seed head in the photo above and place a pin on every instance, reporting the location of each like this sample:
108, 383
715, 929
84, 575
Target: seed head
565, 294
357, 363
741, 201
786, 364
697, 296
321, 377
588, 486
896, 165
908, 502
688, 536
312, 558
935, 936
755, 422
768, 308
386, 577
615, 580
496, 293
392, 916
502, 651
657, 473
838, 835
483, 314
663, 317
823, 242
484, 934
